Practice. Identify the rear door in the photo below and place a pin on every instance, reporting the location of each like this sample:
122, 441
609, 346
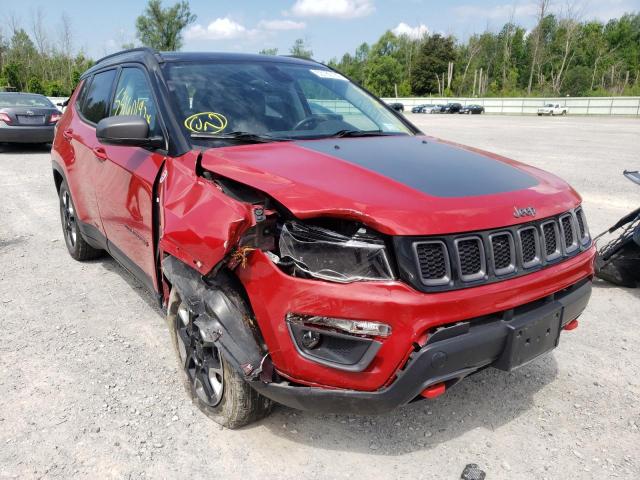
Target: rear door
83, 164
126, 179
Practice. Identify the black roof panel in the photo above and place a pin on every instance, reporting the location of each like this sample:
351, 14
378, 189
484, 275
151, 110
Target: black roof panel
148, 56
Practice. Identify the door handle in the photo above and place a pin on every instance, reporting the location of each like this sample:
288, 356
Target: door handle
68, 134
100, 153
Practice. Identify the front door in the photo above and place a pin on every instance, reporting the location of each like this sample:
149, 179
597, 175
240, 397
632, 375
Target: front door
125, 184
82, 162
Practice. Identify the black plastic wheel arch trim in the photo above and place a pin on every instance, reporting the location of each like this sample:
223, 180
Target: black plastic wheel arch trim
222, 316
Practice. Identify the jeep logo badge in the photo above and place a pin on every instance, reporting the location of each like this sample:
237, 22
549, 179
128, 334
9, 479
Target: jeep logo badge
524, 212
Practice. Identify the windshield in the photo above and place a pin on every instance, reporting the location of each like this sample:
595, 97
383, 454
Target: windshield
549, 105
273, 99
24, 100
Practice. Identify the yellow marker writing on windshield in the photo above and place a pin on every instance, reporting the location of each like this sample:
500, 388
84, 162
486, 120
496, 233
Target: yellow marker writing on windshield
206, 122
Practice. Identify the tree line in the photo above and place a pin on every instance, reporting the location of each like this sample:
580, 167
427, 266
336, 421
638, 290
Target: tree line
560, 56
31, 60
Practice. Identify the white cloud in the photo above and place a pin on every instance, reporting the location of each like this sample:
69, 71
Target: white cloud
219, 29
281, 25
332, 8
414, 33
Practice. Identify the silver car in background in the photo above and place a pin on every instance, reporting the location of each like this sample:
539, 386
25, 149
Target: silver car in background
27, 118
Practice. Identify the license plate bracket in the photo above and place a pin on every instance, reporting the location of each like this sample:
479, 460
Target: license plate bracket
531, 335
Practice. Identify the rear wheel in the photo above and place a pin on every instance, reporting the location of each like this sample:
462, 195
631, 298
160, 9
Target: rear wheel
213, 385
76, 245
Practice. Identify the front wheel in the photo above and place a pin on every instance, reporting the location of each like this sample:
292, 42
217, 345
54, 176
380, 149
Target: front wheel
213, 385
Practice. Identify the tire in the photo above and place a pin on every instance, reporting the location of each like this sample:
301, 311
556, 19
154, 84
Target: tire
77, 246
212, 384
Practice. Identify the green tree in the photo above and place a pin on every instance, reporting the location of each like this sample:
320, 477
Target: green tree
268, 51
577, 82
35, 86
431, 63
301, 49
14, 74
54, 89
383, 73
161, 28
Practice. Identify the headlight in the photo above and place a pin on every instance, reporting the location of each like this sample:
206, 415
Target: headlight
329, 255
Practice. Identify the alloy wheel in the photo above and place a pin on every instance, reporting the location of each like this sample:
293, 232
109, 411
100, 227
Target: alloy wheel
69, 224
200, 359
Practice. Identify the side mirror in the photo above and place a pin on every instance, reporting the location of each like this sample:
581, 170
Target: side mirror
130, 130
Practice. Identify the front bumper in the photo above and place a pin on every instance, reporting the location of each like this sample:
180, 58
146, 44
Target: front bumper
449, 356
411, 314
23, 134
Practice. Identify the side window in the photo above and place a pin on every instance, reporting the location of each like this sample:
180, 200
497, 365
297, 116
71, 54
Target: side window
82, 93
96, 103
133, 97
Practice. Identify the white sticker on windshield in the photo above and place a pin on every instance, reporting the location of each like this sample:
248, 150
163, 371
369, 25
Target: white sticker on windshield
328, 74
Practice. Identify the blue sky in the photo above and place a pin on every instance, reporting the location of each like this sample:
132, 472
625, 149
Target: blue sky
331, 27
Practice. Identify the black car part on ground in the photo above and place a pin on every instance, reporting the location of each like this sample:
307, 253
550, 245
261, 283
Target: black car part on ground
618, 261
450, 354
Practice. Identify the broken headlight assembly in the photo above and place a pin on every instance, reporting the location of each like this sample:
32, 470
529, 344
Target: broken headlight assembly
318, 252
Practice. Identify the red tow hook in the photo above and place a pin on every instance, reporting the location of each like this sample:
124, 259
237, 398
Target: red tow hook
572, 325
434, 391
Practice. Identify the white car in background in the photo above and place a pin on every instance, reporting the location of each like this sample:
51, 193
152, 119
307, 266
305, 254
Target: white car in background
553, 109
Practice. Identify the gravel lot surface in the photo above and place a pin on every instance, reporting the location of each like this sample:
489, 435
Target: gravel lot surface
89, 386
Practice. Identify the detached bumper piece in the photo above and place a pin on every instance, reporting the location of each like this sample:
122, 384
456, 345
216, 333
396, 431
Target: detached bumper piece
504, 341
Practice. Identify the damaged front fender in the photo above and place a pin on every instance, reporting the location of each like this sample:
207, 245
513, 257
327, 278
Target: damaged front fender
199, 223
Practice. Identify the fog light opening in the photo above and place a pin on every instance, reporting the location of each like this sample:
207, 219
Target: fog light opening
311, 339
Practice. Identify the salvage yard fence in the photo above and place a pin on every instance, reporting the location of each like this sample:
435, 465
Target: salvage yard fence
529, 106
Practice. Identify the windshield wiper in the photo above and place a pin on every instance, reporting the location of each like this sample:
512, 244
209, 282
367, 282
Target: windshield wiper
237, 136
359, 133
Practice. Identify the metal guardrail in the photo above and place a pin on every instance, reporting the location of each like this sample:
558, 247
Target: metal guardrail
526, 106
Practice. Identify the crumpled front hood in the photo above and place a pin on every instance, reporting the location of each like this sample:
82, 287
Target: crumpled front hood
399, 185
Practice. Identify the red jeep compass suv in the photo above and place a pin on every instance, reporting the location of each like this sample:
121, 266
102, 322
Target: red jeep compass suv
310, 245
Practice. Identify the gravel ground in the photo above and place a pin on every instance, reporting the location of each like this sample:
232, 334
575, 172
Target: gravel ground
89, 387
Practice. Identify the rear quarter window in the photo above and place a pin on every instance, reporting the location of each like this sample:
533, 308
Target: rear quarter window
96, 103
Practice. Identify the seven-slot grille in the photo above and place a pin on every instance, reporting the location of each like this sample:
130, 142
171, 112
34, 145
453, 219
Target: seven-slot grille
483, 257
